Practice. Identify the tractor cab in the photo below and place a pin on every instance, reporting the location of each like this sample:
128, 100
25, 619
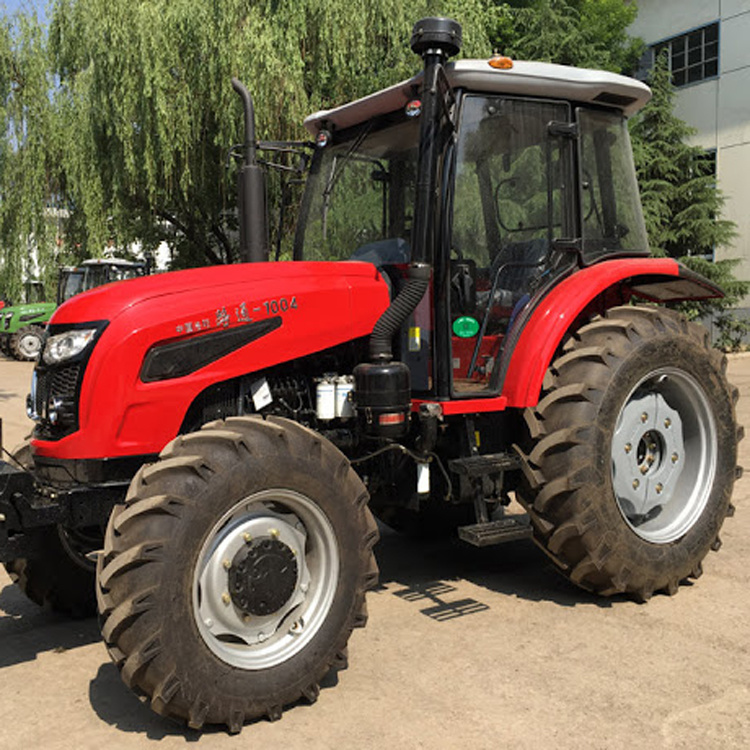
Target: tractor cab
532, 178
96, 272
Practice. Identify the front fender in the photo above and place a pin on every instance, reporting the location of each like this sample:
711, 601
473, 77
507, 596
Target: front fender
651, 279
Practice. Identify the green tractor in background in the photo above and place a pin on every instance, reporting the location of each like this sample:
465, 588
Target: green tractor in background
22, 326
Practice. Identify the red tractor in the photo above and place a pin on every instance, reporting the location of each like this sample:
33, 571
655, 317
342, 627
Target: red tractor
458, 326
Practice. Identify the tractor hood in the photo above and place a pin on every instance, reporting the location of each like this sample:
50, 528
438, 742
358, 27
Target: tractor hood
321, 303
161, 340
30, 313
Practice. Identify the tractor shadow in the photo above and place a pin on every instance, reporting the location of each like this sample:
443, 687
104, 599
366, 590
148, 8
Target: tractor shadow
117, 706
425, 568
26, 630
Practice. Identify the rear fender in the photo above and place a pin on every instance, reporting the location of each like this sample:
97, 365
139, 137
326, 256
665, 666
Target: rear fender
588, 291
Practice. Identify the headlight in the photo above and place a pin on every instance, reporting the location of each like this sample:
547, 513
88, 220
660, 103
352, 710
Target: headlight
66, 345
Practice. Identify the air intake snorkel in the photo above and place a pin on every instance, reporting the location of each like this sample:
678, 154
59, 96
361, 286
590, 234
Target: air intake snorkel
382, 386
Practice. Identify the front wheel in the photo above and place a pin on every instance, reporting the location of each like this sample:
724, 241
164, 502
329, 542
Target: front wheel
233, 575
61, 575
26, 343
631, 458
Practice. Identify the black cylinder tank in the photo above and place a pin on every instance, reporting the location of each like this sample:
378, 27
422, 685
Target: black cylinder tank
382, 395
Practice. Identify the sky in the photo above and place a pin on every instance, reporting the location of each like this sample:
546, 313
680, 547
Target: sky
9, 7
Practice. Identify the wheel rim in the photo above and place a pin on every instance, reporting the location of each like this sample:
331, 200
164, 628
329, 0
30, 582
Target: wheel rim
265, 579
664, 453
29, 345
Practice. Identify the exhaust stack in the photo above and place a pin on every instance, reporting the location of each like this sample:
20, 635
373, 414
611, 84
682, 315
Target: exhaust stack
251, 190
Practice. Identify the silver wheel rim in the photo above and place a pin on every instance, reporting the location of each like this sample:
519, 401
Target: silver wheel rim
30, 344
664, 453
296, 525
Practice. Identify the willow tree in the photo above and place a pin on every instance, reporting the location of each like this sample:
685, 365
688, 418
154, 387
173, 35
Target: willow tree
148, 112
30, 175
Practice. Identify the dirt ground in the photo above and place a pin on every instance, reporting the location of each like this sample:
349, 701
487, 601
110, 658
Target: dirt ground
465, 648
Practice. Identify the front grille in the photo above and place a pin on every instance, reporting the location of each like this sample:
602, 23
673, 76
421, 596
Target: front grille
56, 400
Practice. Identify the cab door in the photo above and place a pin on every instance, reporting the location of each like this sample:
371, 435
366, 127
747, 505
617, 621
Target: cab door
514, 195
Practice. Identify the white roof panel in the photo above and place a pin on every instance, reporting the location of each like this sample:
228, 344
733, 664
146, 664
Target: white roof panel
545, 80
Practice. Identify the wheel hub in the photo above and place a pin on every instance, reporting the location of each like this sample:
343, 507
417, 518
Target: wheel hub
263, 577
664, 450
30, 345
647, 450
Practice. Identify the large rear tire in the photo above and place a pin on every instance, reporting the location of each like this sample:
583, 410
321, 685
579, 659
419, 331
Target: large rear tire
61, 576
631, 459
233, 575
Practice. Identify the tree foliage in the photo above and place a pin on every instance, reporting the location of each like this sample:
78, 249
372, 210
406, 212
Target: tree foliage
120, 114
586, 33
682, 205
30, 174
146, 84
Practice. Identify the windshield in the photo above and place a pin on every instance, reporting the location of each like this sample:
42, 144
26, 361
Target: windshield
360, 196
71, 283
612, 217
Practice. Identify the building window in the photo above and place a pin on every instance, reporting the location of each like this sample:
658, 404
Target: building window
693, 57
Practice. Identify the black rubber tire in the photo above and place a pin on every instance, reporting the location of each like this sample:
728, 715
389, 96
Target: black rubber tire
58, 578
568, 476
153, 547
19, 343
5, 344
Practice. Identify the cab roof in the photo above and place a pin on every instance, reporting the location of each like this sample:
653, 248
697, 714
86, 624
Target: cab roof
537, 79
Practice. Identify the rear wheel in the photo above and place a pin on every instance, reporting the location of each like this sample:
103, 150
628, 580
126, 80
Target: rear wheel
61, 575
26, 343
632, 453
233, 575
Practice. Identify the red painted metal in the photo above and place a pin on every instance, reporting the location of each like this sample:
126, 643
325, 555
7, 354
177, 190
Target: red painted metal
322, 304
558, 310
465, 405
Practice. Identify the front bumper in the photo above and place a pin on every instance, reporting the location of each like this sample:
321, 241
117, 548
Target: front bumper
28, 505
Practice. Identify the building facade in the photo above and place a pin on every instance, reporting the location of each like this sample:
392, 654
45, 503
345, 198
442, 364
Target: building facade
708, 46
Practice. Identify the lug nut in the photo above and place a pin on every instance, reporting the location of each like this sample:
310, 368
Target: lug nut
667, 422
227, 564
636, 484
226, 598
644, 469
247, 538
675, 458
274, 533
644, 417
628, 448
659, 488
